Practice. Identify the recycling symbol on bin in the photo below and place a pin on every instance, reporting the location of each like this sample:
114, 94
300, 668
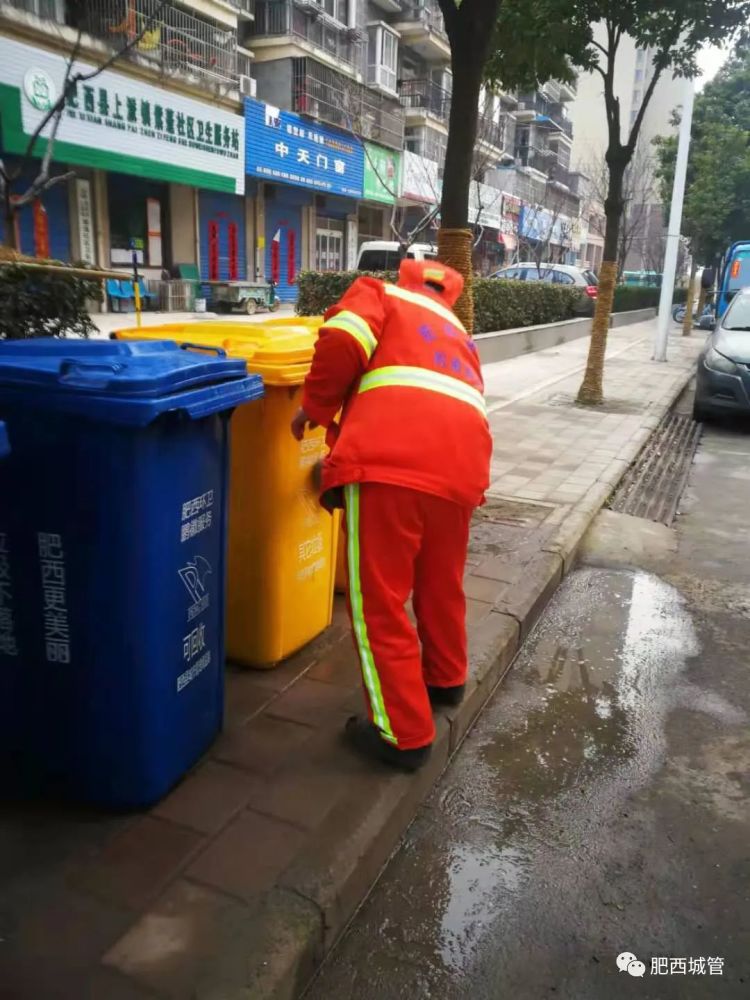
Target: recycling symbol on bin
194, 577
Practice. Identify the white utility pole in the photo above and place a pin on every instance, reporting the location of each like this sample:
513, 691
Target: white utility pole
675, 223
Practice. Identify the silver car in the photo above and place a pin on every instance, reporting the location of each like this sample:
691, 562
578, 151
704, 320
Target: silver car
558, 274
723, 376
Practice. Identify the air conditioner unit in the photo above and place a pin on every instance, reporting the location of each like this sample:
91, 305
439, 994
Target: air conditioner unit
248, 85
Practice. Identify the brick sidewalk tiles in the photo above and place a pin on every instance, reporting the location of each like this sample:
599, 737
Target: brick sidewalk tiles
239, 881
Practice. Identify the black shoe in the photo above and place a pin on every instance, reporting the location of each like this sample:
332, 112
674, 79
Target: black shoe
366, 739
446, 696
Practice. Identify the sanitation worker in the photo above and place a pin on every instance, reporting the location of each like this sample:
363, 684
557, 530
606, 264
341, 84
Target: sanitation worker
409, 462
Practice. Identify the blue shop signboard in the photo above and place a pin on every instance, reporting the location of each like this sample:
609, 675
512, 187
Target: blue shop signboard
282, 146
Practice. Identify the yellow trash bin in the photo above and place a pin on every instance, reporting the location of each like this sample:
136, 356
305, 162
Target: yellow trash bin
282, 544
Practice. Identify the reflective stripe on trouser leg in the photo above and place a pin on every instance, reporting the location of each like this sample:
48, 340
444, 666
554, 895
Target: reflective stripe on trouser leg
369, 670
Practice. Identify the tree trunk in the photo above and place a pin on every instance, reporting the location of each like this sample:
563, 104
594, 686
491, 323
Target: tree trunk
687, 323
591, 392
702, 296
454, 235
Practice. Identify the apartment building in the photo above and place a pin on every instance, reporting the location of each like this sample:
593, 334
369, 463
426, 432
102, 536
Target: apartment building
633, 72
156, 140
255, 138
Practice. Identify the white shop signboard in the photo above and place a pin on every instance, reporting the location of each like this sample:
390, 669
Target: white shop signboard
115, 122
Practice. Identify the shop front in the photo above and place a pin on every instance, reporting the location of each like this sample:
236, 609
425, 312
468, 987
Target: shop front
420, 196
510, 227
42, 229
131, 145
485, 217
381, 189
310, 172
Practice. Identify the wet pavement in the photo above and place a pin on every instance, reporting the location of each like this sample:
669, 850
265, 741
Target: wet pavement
601, 804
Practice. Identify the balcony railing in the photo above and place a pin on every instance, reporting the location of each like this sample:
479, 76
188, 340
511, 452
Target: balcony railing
243, 6
490, 132
536, 158
324, 94
426, 96
554, 110
283, 18
426, 142
425, 13
170, 38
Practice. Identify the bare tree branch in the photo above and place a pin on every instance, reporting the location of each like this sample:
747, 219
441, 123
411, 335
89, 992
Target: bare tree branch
42, 182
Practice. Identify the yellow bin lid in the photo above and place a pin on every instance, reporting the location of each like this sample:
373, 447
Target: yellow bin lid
279, 352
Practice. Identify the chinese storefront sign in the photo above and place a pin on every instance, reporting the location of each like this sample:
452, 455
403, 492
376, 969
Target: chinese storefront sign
382, 174
86, 245
282, 146
116, 122
420, 179
485, 204
510, 221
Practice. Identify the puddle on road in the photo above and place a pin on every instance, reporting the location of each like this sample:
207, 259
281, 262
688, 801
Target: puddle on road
579, 726
523, 834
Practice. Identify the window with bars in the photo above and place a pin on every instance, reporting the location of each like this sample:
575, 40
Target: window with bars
382, 57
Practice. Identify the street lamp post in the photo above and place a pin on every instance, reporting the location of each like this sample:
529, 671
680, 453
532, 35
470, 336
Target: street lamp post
675, 223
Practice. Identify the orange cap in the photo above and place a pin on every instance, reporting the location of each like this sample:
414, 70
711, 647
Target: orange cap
416, 274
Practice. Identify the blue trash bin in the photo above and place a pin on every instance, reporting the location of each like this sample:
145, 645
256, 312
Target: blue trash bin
113, 531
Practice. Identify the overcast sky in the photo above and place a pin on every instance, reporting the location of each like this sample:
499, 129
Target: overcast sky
710, 61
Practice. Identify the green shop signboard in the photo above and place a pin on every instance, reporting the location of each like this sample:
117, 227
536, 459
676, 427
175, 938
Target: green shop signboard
382, 174
115, 122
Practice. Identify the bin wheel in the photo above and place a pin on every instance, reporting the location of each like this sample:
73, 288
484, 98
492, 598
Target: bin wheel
251, 306
274, 305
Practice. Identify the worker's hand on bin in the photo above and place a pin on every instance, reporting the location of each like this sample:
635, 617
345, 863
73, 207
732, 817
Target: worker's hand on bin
300, 421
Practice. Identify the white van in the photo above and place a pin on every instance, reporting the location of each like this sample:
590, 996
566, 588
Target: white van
385, 255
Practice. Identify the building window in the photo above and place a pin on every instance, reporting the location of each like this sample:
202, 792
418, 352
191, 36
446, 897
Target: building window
337, 9
638, 75
382, 57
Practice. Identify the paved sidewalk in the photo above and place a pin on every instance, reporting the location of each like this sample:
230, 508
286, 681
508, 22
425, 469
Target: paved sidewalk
235, 886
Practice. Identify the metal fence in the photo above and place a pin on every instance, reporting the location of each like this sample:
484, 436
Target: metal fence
426, 13
330, 97
427, 96
171, 38
280, 17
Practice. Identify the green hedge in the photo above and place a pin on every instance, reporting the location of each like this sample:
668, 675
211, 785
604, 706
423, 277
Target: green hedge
45, 304
502, 305
498, 305
635, 297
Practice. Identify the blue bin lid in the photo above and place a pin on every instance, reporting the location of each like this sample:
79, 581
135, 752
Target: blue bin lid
129, 382
4, 444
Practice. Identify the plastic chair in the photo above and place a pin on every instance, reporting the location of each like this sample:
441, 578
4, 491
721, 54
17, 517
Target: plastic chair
127, 294
117, 296
147, 297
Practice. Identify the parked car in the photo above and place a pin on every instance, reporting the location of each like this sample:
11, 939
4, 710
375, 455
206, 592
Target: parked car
386, 255
557, 274
723, 376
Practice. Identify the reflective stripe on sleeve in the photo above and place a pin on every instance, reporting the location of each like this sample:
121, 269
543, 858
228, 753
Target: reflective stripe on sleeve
356, 327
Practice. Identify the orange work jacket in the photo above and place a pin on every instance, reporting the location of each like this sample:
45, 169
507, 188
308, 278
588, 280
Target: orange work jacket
408, 376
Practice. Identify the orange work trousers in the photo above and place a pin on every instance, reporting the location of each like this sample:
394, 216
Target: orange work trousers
403, 543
